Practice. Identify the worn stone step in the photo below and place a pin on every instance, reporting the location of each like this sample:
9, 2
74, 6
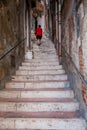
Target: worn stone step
38, 89
36, 100
41, 60
44, 49
36, 94
39, 114
47, 51
45, 57
40, 63
33, 85
46, 54
41, 67
41, 77
27, 71
38, 106
42, 124
48, 58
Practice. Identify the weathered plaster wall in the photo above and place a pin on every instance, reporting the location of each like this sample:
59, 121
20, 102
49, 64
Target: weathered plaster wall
74, 39
11, 31
84, 40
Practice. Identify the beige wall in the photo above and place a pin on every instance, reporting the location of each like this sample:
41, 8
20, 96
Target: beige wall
74, 39
11, 30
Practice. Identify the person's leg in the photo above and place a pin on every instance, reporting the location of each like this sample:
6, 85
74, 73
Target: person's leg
37, 40
40, 39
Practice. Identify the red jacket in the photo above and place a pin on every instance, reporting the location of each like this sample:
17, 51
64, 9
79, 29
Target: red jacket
39, 32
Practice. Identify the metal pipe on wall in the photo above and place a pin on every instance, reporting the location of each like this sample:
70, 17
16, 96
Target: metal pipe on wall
59, 29
27, 30
56, 12
24, 19
29, 21
25, 23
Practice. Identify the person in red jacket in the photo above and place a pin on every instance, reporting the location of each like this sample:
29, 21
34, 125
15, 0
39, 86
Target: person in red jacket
39, 34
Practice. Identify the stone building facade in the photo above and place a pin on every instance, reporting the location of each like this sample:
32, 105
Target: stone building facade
11, 33
67, 21
15, 28
74, 31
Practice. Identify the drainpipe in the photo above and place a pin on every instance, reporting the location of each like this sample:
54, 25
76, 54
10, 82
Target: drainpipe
18, 18
25, 23
59, 29
56, 26
49, 20
27, 30
29, 21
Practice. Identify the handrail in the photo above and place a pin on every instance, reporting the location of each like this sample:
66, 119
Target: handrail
80, 75
18, 43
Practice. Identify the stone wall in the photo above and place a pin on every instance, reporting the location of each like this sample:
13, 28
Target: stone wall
74, 40
11, 32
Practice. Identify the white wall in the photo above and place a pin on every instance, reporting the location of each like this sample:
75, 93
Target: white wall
41, 21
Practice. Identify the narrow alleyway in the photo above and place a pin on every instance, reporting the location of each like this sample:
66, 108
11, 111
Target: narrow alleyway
39, 96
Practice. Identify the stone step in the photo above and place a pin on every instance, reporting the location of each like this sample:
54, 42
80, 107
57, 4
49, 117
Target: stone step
37, 89
46, 58
40, 63
43, 55
44, 49
42, 60
39, 77
48, 54
42, 124
41, 67
32, 85
39, 114
27, 71
38, 106
46, 100
36, 94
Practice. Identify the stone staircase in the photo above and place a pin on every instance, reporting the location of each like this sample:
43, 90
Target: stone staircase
39, 96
